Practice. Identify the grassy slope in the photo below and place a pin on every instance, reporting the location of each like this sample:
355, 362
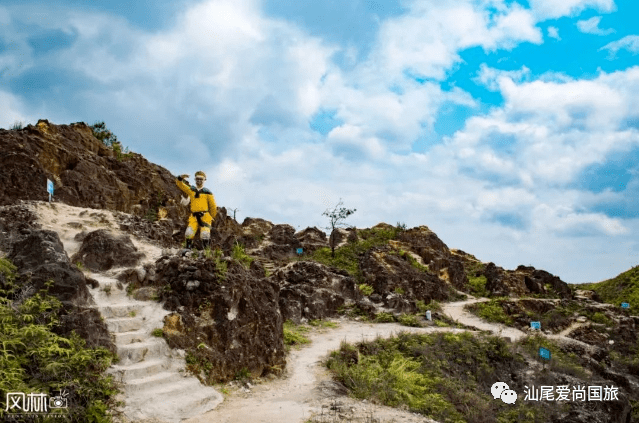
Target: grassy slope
622, 288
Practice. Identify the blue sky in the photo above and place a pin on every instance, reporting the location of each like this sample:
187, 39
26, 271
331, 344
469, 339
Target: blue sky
510, 128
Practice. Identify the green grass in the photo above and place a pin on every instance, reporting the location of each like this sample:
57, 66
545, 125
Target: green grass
384, 317
433, 305
295, 335
621, 289
318, 323
157, 332
365, 289
561, 362
444, 376
409, 320
238, 254
346, 257
491, 311
33, 358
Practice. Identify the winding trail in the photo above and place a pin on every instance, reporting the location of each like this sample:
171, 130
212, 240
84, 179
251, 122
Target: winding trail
299, 395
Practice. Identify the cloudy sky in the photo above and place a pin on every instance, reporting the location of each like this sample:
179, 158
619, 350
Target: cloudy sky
510, 128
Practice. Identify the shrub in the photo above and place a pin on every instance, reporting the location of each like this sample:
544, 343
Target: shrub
34, 358
384, 317
408, 320
365, 289
239, 254
492, 311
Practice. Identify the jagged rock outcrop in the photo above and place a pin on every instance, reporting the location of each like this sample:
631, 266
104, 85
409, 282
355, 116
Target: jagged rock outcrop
85, 172
101, 250
40, 257
232, 311
282, 243
311, 290
311, 239
397, 282
435, 253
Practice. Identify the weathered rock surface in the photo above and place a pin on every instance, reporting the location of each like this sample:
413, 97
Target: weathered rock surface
313, 291
40, 257
234, 314
85, 172
435, 254
101, 250
311, 239
397, 282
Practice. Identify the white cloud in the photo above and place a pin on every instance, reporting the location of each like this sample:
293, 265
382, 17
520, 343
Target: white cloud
13, 111
557, 128
553, 9
628, 43
553, 32
239, 88
591, 26
427, 39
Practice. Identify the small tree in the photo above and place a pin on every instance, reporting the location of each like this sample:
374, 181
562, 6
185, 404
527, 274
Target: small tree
101, 132
336, 217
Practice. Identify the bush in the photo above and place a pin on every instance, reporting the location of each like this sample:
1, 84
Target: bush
417, 372
408, 320
384, 317
239, 254
491, 311
34, 358
365, 289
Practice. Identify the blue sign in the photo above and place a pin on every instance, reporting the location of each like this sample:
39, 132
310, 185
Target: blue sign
535, 325
625, 305
299, 251
544, 353
49, 187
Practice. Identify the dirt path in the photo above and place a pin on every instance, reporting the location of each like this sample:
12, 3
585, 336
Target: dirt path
307, 388
457, 312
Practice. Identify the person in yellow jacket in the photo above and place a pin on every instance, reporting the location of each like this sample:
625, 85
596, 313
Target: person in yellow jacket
203, 208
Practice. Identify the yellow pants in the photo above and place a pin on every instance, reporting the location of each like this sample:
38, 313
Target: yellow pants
192, 227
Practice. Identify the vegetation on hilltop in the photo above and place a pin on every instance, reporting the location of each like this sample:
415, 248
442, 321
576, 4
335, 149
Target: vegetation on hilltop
622, 288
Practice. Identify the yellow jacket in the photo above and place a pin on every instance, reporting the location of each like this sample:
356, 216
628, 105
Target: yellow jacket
201, 200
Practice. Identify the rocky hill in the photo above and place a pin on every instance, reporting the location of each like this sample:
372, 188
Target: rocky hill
116, 228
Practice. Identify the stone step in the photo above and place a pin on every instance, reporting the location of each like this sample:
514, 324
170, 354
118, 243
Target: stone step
125, 338
124, 324
139, 370
200, 402
177, 406
121, 310
183, 388
152, 382
139, 351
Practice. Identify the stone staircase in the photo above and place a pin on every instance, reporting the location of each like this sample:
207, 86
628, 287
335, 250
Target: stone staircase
268, 265
156, 386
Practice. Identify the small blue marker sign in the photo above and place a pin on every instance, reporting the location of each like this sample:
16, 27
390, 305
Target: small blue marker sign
544, 353
50, 188
299, 251
625, 305
535, 325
